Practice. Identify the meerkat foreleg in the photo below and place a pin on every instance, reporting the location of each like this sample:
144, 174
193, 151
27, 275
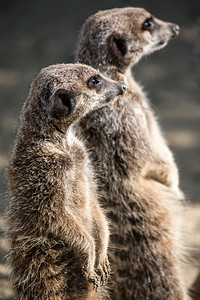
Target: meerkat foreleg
77, 237
101, 234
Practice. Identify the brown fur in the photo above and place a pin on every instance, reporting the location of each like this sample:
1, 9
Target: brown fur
195, 289
139, 179
57, 230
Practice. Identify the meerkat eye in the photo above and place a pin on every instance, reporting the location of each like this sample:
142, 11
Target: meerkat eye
95, 82
148, 24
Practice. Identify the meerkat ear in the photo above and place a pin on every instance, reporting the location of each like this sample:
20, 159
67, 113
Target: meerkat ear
117, 45
63, 103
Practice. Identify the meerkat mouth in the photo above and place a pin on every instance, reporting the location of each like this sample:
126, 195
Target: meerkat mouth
109, 97
161, 43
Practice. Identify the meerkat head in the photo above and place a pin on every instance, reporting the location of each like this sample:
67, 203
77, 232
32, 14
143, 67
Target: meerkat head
61, 94
120, 37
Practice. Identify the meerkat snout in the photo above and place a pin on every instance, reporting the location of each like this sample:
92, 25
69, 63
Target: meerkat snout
122, 88
110, 87
175, 30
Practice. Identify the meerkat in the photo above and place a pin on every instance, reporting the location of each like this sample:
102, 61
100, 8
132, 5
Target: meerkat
57, 230
139, 182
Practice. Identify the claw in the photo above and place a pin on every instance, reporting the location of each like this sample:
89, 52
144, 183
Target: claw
103, 271
94, 279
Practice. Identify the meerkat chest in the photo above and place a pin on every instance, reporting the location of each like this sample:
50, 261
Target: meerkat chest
139, 102
81, 205
140, 116
79, 200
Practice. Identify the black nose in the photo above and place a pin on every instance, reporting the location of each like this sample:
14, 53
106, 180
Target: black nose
122, 88
175, 30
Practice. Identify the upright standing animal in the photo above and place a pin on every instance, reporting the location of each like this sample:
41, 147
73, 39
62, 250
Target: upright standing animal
57, 230
138, 177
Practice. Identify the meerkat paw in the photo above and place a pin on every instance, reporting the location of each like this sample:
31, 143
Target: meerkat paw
103, 270
94, 278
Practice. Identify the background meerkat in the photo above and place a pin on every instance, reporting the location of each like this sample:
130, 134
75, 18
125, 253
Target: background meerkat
57, 230
139, 179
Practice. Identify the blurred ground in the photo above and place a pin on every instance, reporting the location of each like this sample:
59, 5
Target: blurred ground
37, 33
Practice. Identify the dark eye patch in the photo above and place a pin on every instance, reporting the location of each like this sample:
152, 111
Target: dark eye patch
148, 24
95, 82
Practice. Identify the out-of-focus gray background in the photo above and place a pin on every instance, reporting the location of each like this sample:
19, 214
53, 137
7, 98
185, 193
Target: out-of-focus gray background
34, 34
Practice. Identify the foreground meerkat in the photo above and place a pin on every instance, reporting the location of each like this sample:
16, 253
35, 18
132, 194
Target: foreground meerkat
138, 177
57, 230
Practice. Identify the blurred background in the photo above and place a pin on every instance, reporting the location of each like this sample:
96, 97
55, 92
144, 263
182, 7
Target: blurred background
35, 34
